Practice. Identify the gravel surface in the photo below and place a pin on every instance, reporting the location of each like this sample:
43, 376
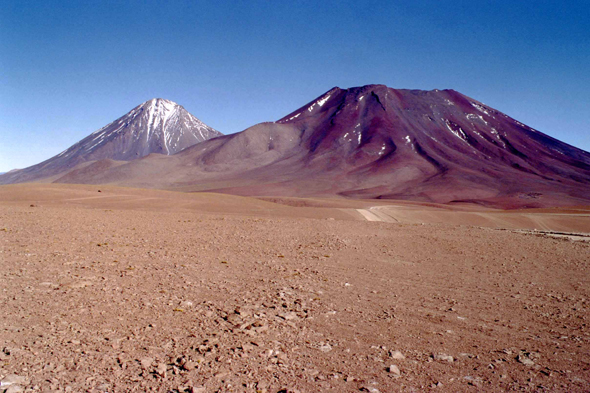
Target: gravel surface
117, 300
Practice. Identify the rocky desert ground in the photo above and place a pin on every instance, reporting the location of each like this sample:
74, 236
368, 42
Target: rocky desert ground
109, 289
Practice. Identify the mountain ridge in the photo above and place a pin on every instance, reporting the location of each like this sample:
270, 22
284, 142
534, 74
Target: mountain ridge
374, 142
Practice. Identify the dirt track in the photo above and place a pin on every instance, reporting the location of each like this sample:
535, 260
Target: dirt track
166, 292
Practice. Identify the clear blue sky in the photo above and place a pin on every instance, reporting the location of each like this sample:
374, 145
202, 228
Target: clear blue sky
68, 68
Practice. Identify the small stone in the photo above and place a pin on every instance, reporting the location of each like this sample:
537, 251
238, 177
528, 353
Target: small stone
525, 358
396, 355
326, 348
187, 304
369, 389
289, 316
394, 370
14, 379
146, 363
443, 358
161, 370
477, 381
15, 389
189, 365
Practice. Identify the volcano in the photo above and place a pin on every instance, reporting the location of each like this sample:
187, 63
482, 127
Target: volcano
156, 126
439, 146
375, 142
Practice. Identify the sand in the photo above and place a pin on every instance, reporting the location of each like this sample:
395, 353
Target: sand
143, 290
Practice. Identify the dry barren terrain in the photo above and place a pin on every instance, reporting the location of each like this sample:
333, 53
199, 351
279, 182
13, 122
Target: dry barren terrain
144, 290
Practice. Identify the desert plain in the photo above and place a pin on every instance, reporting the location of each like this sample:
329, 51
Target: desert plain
109, 289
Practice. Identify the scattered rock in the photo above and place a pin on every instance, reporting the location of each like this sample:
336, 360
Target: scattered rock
394, 370
441, 357
473, 381
14, 379
370, 389
189, 365
527, 358
289, 316
13, 383
146, 363
186, 304
396, 355
161, 370
14, 389
78, 284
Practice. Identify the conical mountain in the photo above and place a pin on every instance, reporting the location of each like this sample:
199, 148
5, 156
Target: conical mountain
435, 145
156, 126
375, 125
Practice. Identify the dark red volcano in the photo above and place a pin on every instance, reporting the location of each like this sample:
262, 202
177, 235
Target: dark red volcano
434, 145
375, 142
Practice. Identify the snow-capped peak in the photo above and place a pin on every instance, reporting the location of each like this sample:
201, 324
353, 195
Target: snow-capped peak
156, 126
159, 103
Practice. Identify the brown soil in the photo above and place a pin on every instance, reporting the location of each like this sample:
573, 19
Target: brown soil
143, 290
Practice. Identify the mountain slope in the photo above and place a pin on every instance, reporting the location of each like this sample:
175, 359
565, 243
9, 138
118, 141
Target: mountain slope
156, 126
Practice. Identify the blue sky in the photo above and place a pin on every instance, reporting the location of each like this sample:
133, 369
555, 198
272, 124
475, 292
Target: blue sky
68, 68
